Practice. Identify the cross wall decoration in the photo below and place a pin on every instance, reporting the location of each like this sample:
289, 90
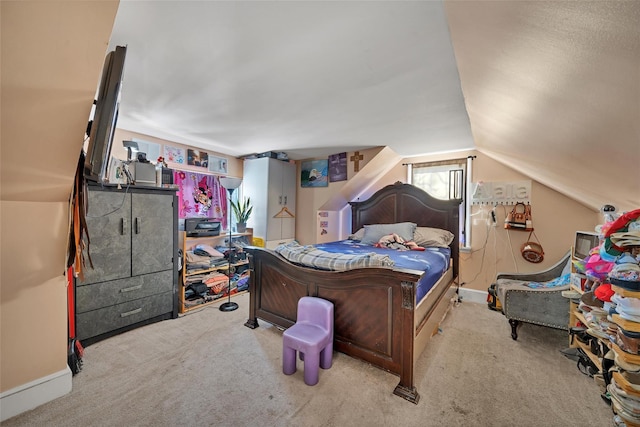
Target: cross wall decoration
356, 160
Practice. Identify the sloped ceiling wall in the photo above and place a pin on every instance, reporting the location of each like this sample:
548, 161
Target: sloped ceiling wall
52, 55
553, 89
310, 78
550, 88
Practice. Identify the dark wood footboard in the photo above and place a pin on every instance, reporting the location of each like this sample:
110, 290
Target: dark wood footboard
376, 317
374, 309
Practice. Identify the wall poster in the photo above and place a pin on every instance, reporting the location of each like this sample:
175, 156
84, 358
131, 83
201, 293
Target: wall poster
314, 173
218, 165
151, 150
200, 195
197, 158
338, 167
174, 155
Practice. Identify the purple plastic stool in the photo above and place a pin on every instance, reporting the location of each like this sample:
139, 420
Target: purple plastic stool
312, 336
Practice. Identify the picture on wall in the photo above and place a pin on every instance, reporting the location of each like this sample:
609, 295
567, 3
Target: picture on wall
314, 173
197, 158
218, 164
338, 167
174, 154
151, 150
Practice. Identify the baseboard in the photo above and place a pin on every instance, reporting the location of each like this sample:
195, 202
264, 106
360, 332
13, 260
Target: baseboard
473, 295
35, 393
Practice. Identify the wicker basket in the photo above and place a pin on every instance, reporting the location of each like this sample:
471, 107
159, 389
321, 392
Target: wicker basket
532, 251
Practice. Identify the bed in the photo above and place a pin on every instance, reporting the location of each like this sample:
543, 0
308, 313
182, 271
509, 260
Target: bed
377, 316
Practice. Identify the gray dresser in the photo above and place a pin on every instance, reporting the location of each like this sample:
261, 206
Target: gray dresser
133, 247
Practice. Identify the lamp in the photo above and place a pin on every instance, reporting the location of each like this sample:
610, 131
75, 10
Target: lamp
230, 184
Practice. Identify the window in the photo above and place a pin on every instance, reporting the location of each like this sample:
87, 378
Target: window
445, 180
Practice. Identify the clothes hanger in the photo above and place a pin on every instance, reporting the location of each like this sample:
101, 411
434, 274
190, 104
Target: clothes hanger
284, 213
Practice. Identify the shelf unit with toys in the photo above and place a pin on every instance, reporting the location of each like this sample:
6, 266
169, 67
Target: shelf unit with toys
576, 318
580, 283
616, 283
624, 387
219, 273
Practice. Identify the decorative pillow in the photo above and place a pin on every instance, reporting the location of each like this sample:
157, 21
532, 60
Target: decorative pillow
427, 236
357, 235
373, 233
311, 257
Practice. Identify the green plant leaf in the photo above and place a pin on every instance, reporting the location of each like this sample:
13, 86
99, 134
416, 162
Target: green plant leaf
242, 210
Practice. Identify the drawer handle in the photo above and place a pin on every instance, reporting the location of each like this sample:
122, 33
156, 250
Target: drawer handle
132, 288
284, 284
129, 313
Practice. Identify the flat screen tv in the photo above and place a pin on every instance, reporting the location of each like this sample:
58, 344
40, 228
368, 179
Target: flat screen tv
105, 116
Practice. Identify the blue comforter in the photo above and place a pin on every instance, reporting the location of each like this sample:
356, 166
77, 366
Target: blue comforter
433, 261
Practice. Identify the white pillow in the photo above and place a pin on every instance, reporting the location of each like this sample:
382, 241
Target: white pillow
427, 236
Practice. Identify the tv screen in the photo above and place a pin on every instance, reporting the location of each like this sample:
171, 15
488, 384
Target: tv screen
105, 116
585, 241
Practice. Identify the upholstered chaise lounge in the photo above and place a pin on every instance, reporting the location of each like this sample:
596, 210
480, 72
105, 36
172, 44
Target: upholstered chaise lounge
539, 306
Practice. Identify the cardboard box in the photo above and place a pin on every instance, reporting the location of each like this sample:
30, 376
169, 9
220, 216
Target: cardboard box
271, 154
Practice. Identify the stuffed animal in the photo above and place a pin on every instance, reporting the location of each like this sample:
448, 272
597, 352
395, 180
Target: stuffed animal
394, 241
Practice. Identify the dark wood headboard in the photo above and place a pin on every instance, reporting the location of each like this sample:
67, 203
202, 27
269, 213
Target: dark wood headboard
406, 203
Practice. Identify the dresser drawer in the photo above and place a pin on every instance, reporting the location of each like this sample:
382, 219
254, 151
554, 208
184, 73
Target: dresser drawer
99, 295
96, 322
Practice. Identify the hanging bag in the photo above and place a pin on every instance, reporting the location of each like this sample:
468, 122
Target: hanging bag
519, 218
532, 251
527, 218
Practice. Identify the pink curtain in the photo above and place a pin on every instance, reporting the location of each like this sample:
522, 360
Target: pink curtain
200, 195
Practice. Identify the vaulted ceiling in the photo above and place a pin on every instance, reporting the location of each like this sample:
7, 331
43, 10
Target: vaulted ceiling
550, 88
300, 77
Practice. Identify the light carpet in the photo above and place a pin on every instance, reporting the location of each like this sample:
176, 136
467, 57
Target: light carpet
207, 369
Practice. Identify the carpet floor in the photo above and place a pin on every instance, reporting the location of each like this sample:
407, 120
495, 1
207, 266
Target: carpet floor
207, 369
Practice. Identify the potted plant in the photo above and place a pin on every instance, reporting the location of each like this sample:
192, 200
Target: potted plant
242, 211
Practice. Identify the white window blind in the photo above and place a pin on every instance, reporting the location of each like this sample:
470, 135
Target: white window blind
445, 180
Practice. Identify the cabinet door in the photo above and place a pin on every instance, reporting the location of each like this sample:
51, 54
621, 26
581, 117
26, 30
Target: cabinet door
152, 233
255, 186
109, 228
288, 225
275, 200
271, 184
